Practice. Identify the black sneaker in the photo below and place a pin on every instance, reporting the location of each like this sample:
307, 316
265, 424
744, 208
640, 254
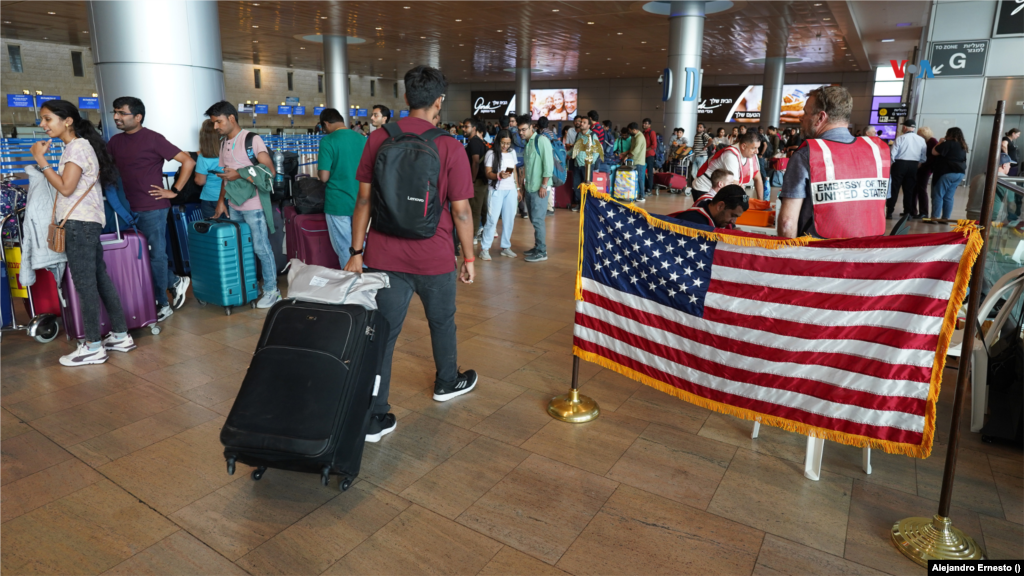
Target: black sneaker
530, 251
464, 383
380, 425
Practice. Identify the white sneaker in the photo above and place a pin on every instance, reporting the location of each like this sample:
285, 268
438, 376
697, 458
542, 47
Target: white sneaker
485, 255
269, 299
83, 356
163, 313
508, 253
123, 345
180, 289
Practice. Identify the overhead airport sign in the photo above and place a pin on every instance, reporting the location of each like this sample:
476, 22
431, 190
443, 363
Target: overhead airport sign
958, 58
262, 109
891, 114
1010, 18
299, 110
317, 110
19, 101
88, 103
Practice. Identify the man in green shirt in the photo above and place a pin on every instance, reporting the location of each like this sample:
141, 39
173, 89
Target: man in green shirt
340, 151
539, 163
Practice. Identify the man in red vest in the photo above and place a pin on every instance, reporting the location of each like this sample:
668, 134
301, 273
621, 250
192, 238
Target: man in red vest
835, 184
740, 159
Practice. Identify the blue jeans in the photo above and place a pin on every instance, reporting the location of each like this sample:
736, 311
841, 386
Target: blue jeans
339, 228
257, 222
695, 164
500, 204
641, 182
943, 190
153, 225
207, 207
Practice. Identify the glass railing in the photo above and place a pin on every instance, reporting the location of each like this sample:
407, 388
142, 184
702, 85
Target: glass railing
1005, 248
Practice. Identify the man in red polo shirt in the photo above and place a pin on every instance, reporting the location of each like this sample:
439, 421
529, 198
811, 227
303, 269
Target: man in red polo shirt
425, 266
652, 149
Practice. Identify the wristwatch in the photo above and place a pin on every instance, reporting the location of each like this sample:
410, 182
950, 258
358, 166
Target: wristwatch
353, 252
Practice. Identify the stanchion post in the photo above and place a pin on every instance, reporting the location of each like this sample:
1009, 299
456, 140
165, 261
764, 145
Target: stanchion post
924, 539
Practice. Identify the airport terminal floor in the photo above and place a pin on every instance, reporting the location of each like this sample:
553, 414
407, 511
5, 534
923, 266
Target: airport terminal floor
118, 468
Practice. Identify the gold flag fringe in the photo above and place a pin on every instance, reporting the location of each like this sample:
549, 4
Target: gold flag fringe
959, 292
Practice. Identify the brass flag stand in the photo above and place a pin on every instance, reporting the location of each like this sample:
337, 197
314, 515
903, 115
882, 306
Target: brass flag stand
935, 538
574, 407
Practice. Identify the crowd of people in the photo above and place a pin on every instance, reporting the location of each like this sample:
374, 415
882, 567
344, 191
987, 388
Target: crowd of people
487, 174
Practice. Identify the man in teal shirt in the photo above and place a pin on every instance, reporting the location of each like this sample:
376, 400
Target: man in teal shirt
340, 151
539, 163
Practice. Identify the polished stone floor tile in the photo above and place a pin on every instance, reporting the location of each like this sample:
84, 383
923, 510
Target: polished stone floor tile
175, 472
873, 511
419, 541
70, 396
656, 406
894, 471
518, 327
495, 358
11, 425
674, 464
772, 495
467, 410
115, 444
44, 487
27, 454
180, 554
317, 541
217, 390
1008, 474
593, 446
457, 483
1003, 540
510, 561
608, 388
973, 487
552, 373
237, 518
540, 507
640, 533
80, 423
417, 446
515, 422
770, 441
781, 557
86, 532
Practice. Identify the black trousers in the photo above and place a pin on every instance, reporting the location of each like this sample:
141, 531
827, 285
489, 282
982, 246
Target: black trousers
903, 174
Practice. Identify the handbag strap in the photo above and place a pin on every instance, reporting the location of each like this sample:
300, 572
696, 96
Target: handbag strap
68, 213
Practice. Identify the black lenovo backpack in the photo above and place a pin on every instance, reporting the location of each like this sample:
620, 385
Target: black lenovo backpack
406, 200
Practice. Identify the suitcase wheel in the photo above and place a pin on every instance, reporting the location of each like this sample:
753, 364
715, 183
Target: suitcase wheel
252, 304
325, 475
231, 466
201, 303
227, 310
47, 328
258, 472
345, 484
154, 329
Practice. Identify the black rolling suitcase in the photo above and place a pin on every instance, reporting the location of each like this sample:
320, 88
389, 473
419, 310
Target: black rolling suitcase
305, 401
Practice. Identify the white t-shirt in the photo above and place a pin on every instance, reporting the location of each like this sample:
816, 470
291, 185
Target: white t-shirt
508, 160
731, 162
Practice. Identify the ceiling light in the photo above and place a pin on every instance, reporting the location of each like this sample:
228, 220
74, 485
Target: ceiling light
302, 47
85, 31
379, 58
555, 10
46, 37
643, 42
52, 13
849, 54
406, 7
423, 37
817, 4
662, 49
7, 21
323, 17
620, 33
255, 41
826, 19
461, 44
255, 26
609, 58
889, 40
379, 28
458, 19
589, 22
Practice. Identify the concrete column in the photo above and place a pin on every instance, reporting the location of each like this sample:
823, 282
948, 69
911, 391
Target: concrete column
336, 73
775, 69
771, 97
523, 90
686, 35
165, 53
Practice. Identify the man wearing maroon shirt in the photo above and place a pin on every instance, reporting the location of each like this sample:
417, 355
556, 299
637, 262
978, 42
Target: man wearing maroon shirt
422, 266
652, 149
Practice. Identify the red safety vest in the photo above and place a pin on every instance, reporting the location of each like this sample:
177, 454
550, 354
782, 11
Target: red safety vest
746, 175
849, 183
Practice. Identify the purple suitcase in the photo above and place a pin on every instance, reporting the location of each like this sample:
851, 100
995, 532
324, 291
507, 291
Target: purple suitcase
127, 258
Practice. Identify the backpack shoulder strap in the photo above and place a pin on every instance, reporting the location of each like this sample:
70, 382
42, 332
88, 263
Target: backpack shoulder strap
434, 134
393, 130
249, 137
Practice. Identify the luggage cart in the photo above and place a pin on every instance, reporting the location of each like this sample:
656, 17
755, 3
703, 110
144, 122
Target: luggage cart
42, 327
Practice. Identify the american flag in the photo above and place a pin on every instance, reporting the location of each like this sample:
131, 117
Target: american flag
843, 339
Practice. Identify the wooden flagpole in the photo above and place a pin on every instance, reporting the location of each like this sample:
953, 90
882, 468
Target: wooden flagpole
924, 539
